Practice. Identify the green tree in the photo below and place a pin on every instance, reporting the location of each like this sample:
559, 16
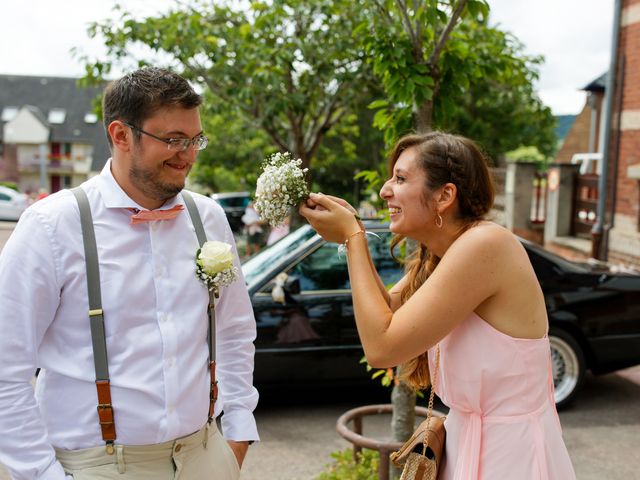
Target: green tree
499, 109
237, 149
290, 68
442, 66
411, 46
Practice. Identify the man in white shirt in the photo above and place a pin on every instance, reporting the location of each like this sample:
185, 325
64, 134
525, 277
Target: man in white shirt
155, 313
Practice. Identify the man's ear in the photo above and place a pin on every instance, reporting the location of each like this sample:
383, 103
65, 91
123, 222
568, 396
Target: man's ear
447, 196
121, 136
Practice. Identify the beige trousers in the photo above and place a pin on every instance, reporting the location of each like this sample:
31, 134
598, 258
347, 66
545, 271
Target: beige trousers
202, 455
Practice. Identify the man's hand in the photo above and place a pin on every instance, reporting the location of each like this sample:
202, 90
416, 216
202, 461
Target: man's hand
239, 449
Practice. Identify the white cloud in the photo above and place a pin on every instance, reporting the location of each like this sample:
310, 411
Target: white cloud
574, 36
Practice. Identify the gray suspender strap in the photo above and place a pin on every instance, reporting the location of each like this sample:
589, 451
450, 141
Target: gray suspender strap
96, 320
211, 337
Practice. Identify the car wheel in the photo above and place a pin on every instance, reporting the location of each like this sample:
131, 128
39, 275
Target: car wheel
568, 365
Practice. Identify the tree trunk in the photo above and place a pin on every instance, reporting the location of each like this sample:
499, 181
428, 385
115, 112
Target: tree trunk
424, 117
403, 418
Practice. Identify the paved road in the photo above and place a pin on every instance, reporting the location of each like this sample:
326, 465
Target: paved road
601, 430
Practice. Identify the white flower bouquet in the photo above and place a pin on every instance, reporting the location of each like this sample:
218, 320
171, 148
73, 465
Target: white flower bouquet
214, 265
281, 186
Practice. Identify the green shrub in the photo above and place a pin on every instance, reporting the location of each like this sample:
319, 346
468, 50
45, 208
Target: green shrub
345, 468
11, 185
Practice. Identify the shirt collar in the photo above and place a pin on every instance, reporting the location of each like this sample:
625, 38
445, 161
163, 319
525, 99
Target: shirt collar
115, 197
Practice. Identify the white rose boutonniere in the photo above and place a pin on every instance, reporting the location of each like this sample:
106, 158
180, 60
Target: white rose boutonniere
281, 186
214, 265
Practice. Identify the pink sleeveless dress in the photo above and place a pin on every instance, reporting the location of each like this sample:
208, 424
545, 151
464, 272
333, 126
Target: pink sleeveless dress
502, 423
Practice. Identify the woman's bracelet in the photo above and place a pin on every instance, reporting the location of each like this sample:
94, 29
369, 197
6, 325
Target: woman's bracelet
346, 242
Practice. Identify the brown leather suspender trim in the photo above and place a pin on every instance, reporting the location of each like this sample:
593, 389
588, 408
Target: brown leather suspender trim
105, 411
213, 390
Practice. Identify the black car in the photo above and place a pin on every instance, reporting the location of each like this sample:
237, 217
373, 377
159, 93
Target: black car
233, 204
311, 338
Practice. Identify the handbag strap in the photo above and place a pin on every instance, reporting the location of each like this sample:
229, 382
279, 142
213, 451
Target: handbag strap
211, 337
432, 392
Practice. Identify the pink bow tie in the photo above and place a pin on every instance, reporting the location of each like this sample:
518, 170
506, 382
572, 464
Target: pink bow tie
151, 215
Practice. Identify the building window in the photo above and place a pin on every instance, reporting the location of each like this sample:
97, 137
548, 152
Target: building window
9, 113
90, 118
57, 116
66, 181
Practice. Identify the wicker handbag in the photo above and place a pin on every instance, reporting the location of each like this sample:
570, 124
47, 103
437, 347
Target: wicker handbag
423, 453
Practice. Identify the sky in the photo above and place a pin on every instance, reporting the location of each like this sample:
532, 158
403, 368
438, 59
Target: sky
574, 36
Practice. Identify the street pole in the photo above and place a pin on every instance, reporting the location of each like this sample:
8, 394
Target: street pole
43, 167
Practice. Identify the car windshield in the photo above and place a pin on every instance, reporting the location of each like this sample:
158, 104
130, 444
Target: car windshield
262, 260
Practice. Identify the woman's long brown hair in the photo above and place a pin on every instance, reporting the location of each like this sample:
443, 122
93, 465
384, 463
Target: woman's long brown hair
444, 158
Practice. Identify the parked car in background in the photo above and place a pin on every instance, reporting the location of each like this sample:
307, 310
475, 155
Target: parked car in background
311, 339
233, 204
12, 203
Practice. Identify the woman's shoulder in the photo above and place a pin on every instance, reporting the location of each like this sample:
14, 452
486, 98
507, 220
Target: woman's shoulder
488, 236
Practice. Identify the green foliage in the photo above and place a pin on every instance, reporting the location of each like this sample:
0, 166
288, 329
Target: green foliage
528, 154
499, 107
313, 78
287, 68
409, 44
345, 467
373, 180
441, 66
386, 375
11, 185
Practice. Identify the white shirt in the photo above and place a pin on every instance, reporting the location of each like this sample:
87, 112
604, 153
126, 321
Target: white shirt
251, 219
155, 313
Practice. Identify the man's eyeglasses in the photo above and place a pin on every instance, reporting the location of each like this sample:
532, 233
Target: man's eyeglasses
198, 142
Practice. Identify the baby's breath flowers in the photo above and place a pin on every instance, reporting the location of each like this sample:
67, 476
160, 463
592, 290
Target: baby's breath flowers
214, 265
281, 186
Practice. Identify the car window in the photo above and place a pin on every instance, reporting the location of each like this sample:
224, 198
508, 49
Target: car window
5, 197
263, 260
389, 270
323, 269
326, 268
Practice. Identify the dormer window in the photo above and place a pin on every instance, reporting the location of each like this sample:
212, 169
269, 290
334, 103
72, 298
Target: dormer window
90, 118
57, 116
9, 113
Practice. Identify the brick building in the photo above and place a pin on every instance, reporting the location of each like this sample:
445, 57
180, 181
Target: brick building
624, 237
585, 142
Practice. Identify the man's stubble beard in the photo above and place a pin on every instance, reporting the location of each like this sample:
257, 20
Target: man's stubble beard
147, 180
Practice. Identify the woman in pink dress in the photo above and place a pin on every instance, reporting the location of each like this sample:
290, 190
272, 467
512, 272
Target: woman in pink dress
471, 291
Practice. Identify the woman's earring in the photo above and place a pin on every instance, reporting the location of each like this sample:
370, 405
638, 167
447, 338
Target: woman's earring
439, 221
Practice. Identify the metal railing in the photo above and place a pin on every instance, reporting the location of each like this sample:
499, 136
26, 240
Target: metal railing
384, 447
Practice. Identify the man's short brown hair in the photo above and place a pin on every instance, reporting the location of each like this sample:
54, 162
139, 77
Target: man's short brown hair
139, 94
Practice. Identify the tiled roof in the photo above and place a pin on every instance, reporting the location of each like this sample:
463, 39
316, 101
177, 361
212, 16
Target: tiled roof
41, 94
